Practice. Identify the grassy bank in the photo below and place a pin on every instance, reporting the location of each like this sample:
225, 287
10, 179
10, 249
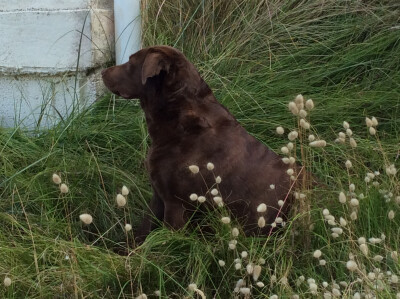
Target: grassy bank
256, 57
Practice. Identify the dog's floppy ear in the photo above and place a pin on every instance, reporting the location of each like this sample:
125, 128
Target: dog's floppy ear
153, 64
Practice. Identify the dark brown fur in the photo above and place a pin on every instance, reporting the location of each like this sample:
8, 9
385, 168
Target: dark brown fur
188, 126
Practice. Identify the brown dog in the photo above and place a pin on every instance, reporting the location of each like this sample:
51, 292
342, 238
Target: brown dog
187, 127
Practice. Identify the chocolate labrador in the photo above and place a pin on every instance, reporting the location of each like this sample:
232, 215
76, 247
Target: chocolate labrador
189, 128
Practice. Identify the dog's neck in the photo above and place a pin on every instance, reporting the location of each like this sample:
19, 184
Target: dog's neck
172, 116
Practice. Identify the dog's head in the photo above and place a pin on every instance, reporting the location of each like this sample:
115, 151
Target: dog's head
151, 70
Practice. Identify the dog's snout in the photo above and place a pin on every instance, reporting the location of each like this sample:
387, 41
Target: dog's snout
103, 72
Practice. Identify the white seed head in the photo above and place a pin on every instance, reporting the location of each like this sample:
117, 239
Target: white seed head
352, 187
372, 131
299, 99
141, 296
64, 188
128, 227
7, 281
342, 198
349, 132
292, 160
281, 203
193, 197
371, 276
375, 240
218, 180
354, 202
336, 292
157, 293
394, 255
238, 266
279, 220
194, 169
280, 130
261, 222
304, 124
260, 284
313, 287
210, 166
217, 199
317, 254
56, 179
337, 230
348, 164
272, 186
353, 215
261, 261
368, 122
353, 143
374, 121
367, 180
250, 268
342, 221
245, 291
342, 135
335, 235
303, 114
192, 287
293, 135
232, 245
322, 262
351, 265
261, 208
346, 125
201, 199
284, 150
325, 212
121, 200
214, 192
286, 160
290, 171
124, 190
309, 104
361, 240
221, 263
240, 283
290, 145
244, 254
226, 220
340, 140
391, 170
378, 258
391, 215
293, 108
318, 143
273, 224
86, 218
235, 232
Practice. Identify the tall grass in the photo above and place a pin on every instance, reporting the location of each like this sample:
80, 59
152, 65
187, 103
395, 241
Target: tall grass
256, 56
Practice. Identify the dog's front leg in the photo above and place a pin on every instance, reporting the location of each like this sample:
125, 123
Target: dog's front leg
174, 215
151, 218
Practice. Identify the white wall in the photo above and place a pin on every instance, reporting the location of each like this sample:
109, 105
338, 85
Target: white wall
39, 48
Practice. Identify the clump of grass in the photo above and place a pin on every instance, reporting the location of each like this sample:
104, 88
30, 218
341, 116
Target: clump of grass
256, 56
